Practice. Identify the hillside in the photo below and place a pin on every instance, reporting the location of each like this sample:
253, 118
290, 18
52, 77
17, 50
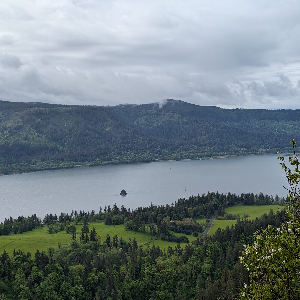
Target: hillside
36, 136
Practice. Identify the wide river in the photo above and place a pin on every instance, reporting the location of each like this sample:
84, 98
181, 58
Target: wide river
88, 188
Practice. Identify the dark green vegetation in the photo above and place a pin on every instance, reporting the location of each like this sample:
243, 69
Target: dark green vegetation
115, 269
273, 260
93, 266
35, 136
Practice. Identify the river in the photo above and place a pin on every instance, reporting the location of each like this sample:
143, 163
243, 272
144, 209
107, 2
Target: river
88, 188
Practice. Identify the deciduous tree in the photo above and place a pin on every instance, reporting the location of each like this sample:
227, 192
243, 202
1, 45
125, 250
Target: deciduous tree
273, 261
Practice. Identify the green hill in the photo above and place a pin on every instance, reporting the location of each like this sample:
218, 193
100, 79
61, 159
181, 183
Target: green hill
36, 136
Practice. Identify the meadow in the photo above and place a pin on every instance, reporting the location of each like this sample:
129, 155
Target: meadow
40, 238
252, 213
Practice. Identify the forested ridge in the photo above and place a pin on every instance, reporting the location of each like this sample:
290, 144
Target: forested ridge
36, 136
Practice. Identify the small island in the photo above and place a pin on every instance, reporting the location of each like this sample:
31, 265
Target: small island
123, 193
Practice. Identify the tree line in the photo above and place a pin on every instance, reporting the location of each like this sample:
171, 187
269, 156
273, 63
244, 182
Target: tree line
158, 220
162, 221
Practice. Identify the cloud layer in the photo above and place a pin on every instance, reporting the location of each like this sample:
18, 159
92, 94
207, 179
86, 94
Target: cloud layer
233, 53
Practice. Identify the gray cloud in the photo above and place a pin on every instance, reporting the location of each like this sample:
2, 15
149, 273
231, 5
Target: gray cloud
234, 53
6, 39
10, 61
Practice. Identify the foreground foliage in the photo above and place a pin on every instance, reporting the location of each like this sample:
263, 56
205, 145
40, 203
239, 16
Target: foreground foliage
273, 261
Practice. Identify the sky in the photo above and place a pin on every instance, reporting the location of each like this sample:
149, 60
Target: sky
227, 53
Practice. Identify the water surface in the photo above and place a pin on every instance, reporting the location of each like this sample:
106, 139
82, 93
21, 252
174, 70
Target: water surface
88, 188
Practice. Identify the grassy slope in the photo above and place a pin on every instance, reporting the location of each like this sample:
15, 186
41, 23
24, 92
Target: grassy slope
33, 240
252, 211
42, 240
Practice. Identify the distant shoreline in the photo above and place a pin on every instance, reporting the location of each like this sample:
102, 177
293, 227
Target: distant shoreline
47, 166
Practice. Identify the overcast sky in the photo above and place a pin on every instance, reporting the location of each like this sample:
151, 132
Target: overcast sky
229, 53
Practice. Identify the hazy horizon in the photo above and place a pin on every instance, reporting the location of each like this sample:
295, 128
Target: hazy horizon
230, 54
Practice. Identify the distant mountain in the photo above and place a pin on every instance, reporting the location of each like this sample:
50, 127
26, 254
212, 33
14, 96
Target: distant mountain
36, 136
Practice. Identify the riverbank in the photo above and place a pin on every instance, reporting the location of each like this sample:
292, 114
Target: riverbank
35, 166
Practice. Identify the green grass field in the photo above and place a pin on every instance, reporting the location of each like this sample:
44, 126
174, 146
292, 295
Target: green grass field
42, 240
252, 211
33, 240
